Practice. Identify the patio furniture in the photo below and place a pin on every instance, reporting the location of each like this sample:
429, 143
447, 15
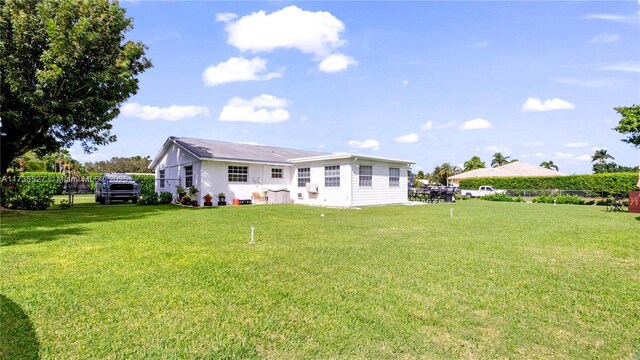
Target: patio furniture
616, 204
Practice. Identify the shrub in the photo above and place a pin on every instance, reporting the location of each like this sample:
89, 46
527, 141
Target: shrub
570, 199
18, 195
590, 202
502, 197
610, 183
165, 197
148, 195
604, 202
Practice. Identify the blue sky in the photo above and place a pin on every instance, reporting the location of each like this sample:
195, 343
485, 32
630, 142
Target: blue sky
431, 82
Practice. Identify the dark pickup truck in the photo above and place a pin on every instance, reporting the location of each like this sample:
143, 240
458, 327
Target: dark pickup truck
116, 186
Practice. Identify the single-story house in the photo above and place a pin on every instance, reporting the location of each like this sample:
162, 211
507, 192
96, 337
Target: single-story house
514, 169
245, 171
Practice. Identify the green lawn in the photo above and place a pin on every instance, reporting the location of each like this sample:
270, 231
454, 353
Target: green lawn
496, 280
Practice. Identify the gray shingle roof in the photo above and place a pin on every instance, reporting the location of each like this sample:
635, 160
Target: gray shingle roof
211, 149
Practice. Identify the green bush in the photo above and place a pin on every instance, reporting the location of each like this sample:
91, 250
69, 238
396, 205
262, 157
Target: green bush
502, 197
570, 199
21, 194
165, 197
148, 195
610, 183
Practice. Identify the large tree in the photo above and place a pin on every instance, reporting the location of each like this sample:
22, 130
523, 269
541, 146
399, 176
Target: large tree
629, 124
65, 69
601, 156
474, 163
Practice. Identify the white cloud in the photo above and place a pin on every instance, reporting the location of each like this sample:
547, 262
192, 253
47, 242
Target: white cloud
171, 113
266, 109
321, 146
336, 63
563, 156
427, 125
475, 124
539, 155
575, 145
498, 148
479, 45
405, 83
584, 157
310, 32
629, 66
225, 17
237, 69
612, 17
532, 143
605, 38
407, 139
535, 104
367, 144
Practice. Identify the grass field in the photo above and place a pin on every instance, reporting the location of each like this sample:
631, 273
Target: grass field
497, 280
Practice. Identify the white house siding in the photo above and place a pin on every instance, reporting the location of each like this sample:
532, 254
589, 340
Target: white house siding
173, 162
327, 196
215, 179
380, 192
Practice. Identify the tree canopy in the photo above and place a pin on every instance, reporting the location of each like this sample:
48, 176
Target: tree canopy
135, 164
629, 124
549, 165
474, 163
441, 173
499, 160
65, 70
601, 156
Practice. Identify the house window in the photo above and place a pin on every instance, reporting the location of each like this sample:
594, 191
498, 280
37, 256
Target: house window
304, 177
188, 176
394, 177
366, 175
276, 173
238, 173
161, 176
332, 176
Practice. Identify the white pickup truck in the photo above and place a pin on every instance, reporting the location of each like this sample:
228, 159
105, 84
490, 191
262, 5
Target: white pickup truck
482, 191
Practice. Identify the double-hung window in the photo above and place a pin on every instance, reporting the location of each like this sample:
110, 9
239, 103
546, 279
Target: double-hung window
394, 177
188, 176
238, 173
161, 177
366, 175
332, 176
304, 176
276, 173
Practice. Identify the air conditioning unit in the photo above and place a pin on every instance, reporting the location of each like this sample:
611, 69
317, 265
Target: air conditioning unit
312, 188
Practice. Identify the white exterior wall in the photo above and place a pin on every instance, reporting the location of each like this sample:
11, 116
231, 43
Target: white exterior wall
327, 196
173, 162
215, 180
380, 192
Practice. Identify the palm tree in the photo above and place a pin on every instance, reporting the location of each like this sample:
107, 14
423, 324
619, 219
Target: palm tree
499, 160
549, 165
441, 173
601, 156
474, 163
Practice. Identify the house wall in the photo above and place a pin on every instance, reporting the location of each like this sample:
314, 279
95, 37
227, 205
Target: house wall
173, 162
327, 196
214, 180
380, 192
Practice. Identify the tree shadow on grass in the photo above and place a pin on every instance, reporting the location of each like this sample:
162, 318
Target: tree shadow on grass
33, 227
18, 338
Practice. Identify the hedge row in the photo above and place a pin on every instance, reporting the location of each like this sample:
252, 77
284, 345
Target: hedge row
613, 183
